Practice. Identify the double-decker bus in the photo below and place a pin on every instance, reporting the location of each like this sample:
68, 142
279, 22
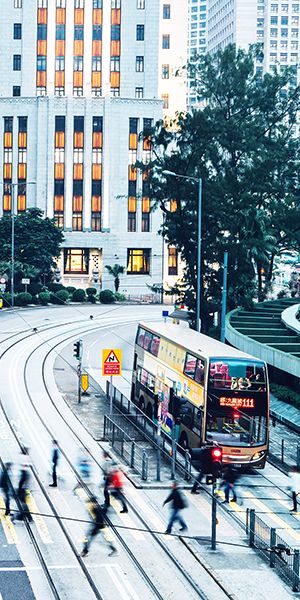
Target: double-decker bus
226, 391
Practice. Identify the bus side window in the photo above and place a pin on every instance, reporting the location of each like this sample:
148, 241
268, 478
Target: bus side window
199, 373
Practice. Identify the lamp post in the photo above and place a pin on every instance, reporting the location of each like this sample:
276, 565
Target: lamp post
198, 293
12, 278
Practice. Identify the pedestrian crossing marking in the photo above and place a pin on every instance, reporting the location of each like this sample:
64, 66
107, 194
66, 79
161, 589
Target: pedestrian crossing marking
157, 523
127, 520
8, 527
39, 521
294, 534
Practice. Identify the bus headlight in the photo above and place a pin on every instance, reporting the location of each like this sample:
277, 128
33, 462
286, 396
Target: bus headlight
258, 455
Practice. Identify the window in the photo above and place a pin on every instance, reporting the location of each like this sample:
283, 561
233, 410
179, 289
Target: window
274, 20
97, 123
140, 4
17, 3
78, 63
284, 20
131, 222
76, 260
60, 123
17, 31
295, 8
17, 62
140, 32
97, 3
138, 261
96, 221
97, 32
78, 124
115, 33
166, 42
96, 63
165, 72
190, 365
116, 3
59, 155
60, 63
139, 64
78, 32
41, 63
284, 7
42, 3
60, 32
78, 3
22, 124
115, 63
172, 260
166, 11
16, 90
139, 92
274, 8
165, 98
97, 156
60, 3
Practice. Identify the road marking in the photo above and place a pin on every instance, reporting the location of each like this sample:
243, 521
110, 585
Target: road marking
119, 582
50, 567
274, 517
128, 522
39, 521
8, 527
157, 522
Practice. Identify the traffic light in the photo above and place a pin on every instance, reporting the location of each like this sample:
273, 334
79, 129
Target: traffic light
178, 406
208, 459
77, 349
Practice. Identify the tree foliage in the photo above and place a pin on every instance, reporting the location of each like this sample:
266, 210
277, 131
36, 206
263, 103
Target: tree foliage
37, 244
115, 271
241, 145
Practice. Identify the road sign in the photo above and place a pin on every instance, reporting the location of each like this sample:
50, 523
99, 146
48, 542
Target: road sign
2, 280
25, 281
85, 381
2, 287
1, 303
111, 361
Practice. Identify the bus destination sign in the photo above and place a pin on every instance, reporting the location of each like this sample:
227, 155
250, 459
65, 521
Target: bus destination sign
235, 402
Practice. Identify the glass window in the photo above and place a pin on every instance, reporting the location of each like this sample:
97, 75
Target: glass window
138, 261
172, 260
190, 365
147, 340
96, 63
97, 3
76, 260
78, 63
139, 64
199, 373
41, 63
16, 90
274, 20
59, 123
140, 32
115, 63
60, 63
140, 4
116, 3
139, 92
17, 3
60, 32
166, 11
17, 62
78, 3
165, 99
115, 32
97, 32
140, 337
237, 375
165, 71
166, 41
17, 31
78, 32
155, 345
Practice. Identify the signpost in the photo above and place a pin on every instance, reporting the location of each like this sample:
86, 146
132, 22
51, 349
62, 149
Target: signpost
112, 366
25, 282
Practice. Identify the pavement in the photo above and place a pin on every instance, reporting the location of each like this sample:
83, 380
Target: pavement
236, 567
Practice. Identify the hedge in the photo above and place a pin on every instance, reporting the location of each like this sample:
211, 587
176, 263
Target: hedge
44, 298
106, 297
23, 299
91, 291
60, 297
285, 394
79, 295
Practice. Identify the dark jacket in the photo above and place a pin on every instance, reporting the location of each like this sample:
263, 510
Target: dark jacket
177, 500
55, 456
5, 481
230, 475
98, 516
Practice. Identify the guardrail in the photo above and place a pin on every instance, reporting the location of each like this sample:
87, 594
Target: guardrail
273, 548
124, 445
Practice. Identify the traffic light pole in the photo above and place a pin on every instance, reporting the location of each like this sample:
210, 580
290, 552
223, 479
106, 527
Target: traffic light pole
79, 370
173, 467
213, 515
110, 395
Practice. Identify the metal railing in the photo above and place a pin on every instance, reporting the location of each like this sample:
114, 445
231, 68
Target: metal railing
126, 447
280, 556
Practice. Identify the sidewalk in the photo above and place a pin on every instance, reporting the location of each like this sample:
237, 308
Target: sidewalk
285, 413
238, 569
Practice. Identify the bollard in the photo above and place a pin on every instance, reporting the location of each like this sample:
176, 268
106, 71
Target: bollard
296, 571
113, 435
252, 527
144, 466
282, 450
272, 545
213, 515
298, 457
158, 464
247, 520
132, 455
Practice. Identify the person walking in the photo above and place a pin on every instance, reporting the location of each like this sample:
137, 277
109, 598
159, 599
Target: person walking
230, 477
294, 476
107, 467
21, 495
54, 460
98, 524
116, 486
200, 467
178, 503
84, 467
5, 484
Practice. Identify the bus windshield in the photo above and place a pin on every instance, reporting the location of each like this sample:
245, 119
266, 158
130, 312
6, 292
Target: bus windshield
237, 402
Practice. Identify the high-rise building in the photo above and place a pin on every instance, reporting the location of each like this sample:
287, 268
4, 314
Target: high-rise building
197, 39
79, 83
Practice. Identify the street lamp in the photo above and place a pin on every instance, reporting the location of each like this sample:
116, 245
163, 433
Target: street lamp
198, 298
12, 279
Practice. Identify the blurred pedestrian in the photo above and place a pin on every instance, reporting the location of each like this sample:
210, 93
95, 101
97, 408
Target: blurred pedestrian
54, 461
98, 524
116, 486
199, 454
107, 467
230, 477
84, 468
5, 484
22, 491
294, 476
178, 503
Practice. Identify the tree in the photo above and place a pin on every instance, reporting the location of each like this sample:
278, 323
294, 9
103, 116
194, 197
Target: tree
115, 271
242, 146
37, 244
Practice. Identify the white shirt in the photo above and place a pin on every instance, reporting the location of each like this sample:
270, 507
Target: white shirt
295, 481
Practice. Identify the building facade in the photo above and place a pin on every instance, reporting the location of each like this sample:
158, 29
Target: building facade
78, 86
197, 40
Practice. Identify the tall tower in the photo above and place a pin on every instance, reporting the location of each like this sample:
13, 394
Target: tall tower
79, 83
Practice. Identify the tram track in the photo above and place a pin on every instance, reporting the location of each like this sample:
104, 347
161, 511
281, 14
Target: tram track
171, 556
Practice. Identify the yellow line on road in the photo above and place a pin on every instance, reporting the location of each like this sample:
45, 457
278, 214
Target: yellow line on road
8, 527
39, 521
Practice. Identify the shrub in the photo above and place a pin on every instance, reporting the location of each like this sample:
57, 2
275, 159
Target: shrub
44, 298
79, 296
60, 297
106, 297
34, 288
6, 299
23, 299
91, 291
119, 297
55, 287
35, 300
282, 294
285, 394
70, 289
91, 299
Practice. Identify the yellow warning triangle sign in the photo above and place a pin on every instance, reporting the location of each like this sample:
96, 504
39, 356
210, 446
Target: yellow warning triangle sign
112, 358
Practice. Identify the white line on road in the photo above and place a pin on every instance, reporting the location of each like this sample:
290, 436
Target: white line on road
51, 567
